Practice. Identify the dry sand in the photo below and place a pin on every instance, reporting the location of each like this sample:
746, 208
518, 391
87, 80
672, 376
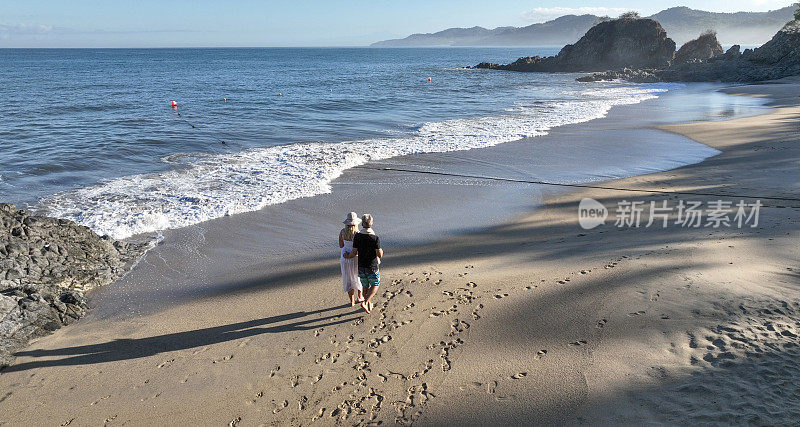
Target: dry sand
535, 321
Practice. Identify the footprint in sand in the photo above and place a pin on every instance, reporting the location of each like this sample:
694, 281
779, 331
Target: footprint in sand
163, 364
319, 415
281, 406
472, 285
601, 323
519, 376
578, 343
498, 296
540, 354
100, 400
201, 350
274, 371
224, 359
472, 385
638, 313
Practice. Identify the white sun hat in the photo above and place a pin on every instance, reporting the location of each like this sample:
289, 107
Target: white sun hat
352, 219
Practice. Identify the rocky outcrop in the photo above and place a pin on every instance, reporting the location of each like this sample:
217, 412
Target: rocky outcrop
700, 49
776, 59
615, 44
46, 266
632, 75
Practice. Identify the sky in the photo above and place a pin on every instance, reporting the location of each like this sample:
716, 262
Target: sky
207, 23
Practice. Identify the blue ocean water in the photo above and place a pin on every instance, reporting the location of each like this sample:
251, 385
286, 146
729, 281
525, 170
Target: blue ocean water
90, 135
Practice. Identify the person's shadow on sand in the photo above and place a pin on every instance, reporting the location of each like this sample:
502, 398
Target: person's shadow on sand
125, 348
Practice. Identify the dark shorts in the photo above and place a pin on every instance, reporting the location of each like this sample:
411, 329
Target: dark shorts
369, 278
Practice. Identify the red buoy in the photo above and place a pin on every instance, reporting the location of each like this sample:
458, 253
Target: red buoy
174, 104
429, 79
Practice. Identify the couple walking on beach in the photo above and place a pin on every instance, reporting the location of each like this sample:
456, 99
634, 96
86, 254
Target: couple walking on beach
361, 255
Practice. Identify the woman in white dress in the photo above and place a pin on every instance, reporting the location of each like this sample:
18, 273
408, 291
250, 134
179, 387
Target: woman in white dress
350, 281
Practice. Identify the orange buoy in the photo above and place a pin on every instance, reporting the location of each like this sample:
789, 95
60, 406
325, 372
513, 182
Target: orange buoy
174, 104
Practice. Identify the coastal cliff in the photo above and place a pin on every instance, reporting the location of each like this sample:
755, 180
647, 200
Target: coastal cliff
626, 42
46, 266
776, 59
700, 49
638, 50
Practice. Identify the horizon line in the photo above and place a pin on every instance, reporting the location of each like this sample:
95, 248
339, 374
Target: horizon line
281, 47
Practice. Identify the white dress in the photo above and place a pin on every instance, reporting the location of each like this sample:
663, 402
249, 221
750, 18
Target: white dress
350, 279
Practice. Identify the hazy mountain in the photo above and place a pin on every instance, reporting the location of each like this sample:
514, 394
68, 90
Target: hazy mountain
745, 28
682, 24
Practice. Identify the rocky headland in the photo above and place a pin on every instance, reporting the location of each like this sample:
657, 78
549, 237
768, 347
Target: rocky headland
700, 49
638, 50
627, 42
46, 266
776, 59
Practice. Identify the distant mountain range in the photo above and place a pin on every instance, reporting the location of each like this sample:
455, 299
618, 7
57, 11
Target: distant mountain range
682, 24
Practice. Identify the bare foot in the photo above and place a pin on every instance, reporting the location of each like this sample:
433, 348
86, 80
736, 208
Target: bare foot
366, 306
353, 303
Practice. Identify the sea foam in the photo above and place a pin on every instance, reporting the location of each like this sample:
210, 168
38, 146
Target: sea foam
201, 187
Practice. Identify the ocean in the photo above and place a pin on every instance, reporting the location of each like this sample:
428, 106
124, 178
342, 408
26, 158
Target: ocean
91, 136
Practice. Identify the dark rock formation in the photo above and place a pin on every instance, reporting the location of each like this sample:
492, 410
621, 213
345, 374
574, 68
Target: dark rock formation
633, 75
46, 265
616, 44
733, 52
700, 49
776, 59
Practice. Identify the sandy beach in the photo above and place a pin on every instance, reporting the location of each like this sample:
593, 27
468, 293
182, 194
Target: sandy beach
533, 320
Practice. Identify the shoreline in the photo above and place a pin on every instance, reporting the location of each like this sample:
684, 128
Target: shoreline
209, 187
130, 300
195, 261
466, 353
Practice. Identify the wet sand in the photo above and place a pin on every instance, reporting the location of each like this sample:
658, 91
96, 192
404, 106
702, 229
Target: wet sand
490, 311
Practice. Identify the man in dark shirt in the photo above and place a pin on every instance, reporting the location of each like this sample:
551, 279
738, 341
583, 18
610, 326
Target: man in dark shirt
367, 246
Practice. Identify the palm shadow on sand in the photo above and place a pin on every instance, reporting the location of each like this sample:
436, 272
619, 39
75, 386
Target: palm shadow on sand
126, 348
